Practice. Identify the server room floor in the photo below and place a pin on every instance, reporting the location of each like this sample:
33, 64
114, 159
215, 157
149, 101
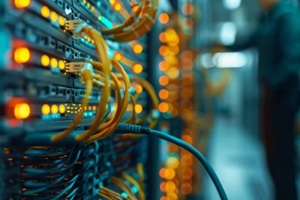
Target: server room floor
238, 159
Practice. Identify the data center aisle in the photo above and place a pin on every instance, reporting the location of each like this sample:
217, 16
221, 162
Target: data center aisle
238, 160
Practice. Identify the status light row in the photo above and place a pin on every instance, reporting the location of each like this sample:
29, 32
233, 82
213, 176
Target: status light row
53, 62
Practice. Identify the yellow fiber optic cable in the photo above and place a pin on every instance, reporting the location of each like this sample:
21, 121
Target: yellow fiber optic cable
143, 26
108, 128
128, 22
120, 184
140, 170
101, 50
131, 120
136, 184
88, 79
110, 194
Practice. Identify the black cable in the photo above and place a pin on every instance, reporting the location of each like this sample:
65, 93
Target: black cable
134, 129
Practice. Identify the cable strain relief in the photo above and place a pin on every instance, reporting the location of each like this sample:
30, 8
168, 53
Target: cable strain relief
128, 128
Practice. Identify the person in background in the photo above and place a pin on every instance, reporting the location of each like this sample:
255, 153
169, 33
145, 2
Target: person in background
277, 40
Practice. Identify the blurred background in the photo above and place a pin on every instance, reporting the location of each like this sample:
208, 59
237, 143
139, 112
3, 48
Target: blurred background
210, 98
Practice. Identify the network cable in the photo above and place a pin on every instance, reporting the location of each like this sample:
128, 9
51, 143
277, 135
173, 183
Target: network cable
135, 129
110, 194
140, 170
121, 185
136, 184
106, 129
143, 25
87, 78
132, 118
80, 29
136, 9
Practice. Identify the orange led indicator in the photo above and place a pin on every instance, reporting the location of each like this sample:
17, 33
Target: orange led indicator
162, 37
170, 186
45, 12
163, 80
163, 94
61, 20
117, 7
138, 108
62, 108
45, 109
163, 65
54, 109
53, 62
61, 64
163, 107
22, 111
134, 8
137, 68
137, 48
173, 72
21, 3
162, 172
45, 60
162, 186
53, 16
118, 56
164, 18
21, 55
138, 89
163, 50
170, 174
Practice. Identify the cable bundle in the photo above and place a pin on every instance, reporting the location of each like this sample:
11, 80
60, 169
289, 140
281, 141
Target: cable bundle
10, 173
102, 75
48, 173
137, 25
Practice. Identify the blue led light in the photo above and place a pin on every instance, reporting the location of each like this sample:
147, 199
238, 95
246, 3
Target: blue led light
55, 70
56, 116
106, 22
125, 195
45, 117
111, 53
134, 189
53, 116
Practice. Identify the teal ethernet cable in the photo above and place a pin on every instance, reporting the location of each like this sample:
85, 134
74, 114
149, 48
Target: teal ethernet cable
135, 129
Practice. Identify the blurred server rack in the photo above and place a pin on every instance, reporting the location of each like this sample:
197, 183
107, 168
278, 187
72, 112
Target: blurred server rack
180, 85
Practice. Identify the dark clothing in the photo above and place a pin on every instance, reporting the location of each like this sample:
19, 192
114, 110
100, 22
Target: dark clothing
277, 40
278, 111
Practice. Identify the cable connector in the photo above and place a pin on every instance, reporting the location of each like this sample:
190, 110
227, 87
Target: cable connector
75, 67
72, 25
129, 128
